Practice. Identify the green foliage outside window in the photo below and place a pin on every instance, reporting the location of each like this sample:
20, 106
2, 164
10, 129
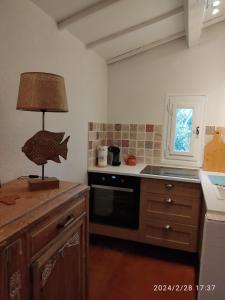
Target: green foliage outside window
183, 129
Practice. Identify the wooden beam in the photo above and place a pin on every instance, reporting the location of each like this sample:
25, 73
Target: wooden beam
85, 12
135, 27
194, 16
145, 47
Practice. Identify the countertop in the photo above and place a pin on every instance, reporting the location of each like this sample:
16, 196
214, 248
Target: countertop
215, 207
31, 205
135, 171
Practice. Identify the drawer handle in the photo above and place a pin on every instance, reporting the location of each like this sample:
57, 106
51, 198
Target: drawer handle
169, 201
69, 220
169, 185
167, 227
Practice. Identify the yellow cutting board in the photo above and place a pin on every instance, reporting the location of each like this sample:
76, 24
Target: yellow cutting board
214, 155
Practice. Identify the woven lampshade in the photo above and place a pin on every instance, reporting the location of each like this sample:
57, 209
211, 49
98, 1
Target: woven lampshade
42, 91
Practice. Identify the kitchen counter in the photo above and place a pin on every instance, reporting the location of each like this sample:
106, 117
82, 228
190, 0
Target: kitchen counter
135, 171
215, 207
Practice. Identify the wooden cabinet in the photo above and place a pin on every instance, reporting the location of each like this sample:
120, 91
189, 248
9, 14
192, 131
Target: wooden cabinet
169, 213
43, 249
13, 271
62, 263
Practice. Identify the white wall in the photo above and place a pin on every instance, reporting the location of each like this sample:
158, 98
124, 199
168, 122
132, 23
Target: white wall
138, 86
30, 41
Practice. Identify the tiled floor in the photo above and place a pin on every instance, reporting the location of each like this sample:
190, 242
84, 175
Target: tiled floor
121, 270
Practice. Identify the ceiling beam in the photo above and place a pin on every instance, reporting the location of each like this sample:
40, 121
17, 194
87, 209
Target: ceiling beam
135, 27
145, 47
91, 9
194, 17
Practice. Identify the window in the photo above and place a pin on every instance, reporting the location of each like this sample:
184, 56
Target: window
183, 130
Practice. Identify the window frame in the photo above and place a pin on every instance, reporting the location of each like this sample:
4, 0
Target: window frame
195, 156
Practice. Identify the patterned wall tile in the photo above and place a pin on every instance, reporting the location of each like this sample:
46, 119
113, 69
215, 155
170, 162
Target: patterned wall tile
157, 137
149, 127
140, 159
140, 152
209, 130
125, 135
125, 127
141, 127
110, 127
133, 144
140, 144
157, 145
133, 135
158, 129
141, 136
118, 127
142, 140
149, 136
133, 127
149, 145
132, 151
117, 135
125, 143
125, 151
220, 129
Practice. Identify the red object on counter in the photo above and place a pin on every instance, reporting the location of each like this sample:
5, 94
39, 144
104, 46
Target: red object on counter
131, 160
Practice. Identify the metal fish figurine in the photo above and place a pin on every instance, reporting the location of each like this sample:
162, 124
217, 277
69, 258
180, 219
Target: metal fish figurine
46, 145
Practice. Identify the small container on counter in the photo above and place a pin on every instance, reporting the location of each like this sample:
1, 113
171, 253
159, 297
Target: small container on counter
131, 160
102, 156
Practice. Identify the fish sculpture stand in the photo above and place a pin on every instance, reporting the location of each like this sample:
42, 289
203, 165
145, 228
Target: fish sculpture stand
40, 148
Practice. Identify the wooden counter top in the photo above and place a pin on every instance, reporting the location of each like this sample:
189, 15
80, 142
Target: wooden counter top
30, 204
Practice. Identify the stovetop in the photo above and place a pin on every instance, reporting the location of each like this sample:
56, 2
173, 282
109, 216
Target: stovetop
171, 172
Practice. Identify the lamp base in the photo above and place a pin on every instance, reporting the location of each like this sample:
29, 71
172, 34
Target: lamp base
47, 183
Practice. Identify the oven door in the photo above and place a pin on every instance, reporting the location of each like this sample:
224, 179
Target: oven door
116, 206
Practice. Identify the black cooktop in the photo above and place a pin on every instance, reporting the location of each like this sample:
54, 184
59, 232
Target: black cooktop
171, 172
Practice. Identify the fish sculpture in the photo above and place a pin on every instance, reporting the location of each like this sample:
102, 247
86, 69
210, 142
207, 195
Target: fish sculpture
46, 145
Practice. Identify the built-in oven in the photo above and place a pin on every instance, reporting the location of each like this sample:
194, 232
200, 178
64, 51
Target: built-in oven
114, 199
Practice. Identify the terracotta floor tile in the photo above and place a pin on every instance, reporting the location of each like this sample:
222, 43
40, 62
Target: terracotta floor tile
122, 270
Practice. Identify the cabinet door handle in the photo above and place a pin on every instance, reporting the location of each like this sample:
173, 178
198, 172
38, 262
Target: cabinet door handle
169, 185
167, 227
69, 220
169, 201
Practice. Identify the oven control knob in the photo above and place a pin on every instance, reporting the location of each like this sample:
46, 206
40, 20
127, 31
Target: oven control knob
103, 178
122, 180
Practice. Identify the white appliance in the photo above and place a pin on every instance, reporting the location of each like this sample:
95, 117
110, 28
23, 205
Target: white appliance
212, 267
102, 156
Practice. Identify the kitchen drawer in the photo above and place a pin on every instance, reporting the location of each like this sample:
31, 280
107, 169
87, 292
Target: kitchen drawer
171, 235
177, 208
170, 187
55, 224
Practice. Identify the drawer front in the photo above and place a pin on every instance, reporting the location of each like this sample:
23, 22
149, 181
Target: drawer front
177, 208
54, 225
170, 188
171, 235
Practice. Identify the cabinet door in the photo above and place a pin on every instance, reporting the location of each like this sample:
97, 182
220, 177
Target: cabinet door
60, 273
3, 264
13, 284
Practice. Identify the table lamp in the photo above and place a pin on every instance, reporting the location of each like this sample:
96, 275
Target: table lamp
43, 92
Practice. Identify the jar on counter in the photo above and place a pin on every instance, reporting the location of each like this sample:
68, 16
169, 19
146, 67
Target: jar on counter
102, 156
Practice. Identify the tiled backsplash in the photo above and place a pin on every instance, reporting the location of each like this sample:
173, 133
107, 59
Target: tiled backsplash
142, 140
210, 130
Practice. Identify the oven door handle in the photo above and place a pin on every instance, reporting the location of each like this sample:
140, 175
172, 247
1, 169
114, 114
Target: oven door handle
112, 188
